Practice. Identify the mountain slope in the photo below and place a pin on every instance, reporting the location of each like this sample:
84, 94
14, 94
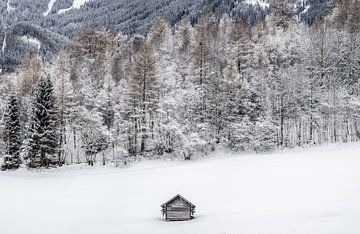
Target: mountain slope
24, 38
68, 17
136, 16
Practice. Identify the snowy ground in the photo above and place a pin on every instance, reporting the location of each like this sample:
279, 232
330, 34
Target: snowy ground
50, 6
76, 5
311, 191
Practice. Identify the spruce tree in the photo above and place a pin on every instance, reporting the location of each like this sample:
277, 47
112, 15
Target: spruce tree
43, 128
12, 134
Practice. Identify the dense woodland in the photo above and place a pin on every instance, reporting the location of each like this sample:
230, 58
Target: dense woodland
53, 27
187, 90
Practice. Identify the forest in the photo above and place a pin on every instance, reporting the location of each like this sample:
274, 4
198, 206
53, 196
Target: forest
53, 26
186, 90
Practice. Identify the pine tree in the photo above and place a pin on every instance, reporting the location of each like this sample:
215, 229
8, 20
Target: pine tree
158, 33
12, 134
42, 142
90, 43
243, 49
105, 99
282, 14
201, 51
29, 74
142, 99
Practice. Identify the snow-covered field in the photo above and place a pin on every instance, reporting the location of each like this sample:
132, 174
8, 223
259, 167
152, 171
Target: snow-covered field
310, 191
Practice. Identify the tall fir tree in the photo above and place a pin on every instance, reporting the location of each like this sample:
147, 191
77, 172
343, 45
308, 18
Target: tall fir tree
12, 134
42, 142
142, 99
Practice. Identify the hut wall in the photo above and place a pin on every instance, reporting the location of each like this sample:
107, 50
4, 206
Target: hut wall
178, 210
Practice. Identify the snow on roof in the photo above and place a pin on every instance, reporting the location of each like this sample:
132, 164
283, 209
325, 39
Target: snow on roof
178, 196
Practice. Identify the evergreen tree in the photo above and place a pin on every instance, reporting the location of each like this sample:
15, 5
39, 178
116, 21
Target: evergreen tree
12, 134
201, 51
142, 99
43, 128
243, 49
29, 74
282, 14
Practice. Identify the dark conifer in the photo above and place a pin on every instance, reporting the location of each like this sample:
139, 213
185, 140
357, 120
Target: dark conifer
12, 134
43, 128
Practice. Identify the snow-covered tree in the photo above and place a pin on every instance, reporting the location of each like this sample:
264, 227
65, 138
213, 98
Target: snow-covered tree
12, 134
65, 103
282, 14
142, 99
42, 134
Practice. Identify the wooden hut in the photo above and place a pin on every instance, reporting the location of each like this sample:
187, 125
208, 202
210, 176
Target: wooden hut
178, 209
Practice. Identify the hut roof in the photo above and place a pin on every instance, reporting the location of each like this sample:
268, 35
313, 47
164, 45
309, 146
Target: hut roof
181, 197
